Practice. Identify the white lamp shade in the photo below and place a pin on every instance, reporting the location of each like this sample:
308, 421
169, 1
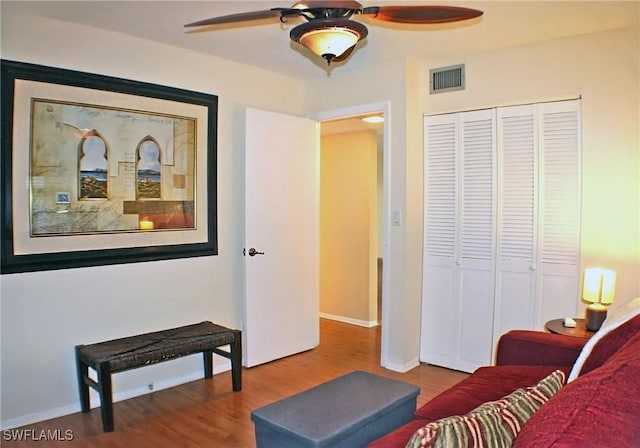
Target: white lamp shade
334, 41
599, 286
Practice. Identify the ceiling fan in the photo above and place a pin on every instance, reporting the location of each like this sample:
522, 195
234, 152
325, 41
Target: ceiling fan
329, 31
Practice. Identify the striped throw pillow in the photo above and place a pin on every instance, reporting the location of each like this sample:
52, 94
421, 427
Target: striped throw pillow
491, 425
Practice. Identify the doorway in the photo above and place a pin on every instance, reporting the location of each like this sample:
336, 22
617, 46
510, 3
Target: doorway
351, 218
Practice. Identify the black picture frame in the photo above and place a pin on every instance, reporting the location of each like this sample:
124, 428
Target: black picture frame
205, 244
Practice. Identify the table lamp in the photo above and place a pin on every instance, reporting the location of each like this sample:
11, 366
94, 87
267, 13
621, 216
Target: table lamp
599, 288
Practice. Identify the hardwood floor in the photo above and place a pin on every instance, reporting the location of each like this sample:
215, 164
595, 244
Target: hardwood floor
208, 414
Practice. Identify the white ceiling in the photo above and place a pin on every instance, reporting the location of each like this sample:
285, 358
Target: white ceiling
267, 44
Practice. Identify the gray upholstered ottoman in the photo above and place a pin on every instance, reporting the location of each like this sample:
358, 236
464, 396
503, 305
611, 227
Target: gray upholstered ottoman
347, 412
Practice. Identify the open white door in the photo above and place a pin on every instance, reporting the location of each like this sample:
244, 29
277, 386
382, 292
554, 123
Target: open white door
281, 212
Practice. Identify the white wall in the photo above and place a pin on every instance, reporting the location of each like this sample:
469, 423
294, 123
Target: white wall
348, 227
603, 69
395, 83
45, 314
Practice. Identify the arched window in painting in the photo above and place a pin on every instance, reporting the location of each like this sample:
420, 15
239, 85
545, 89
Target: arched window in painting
148, 181
94, 167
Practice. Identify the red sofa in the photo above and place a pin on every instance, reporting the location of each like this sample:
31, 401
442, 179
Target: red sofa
600, 408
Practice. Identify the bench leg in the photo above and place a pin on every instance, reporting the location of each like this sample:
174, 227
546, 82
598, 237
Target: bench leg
106, 397
82, 371
236, 361
208, 364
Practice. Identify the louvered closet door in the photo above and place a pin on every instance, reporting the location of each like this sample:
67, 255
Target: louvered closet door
517, 218
538, 214
476, 240
440, 307
457, 317
560, 199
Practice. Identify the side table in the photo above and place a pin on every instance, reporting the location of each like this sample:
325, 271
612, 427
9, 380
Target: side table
580, 330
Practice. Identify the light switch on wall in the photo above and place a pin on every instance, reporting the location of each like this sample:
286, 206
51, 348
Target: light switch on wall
396, 218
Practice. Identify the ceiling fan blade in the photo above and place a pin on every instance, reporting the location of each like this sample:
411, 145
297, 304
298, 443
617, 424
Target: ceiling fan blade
420, 14
312, 4
241, 17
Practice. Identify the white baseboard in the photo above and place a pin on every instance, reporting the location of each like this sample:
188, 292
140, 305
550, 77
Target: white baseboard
402, 368
95, 399
348, 320
39, 416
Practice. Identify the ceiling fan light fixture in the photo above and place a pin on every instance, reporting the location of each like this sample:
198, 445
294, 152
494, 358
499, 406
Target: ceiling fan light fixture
329, 32
329, 38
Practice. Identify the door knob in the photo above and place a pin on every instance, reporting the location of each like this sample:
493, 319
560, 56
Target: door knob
253, 252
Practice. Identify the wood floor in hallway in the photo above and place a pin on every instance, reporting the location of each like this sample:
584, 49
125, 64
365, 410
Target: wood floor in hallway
206, 413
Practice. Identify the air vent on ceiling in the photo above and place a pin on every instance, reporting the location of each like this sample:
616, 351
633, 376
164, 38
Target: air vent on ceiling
446, 79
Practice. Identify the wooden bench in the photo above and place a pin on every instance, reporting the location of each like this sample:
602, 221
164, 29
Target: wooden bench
136, 351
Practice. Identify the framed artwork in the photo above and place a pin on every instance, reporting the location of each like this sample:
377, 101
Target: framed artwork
98, 170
